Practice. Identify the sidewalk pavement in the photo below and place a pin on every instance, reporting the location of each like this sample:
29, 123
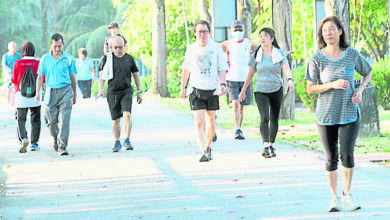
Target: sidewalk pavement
162, 178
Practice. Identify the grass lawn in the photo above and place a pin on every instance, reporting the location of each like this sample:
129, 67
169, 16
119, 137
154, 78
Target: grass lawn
300, 131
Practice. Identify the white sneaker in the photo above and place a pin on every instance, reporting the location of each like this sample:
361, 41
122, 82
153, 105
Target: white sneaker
348, 202
334, 205
23, 148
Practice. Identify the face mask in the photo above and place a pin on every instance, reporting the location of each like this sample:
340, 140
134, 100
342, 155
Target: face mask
238, 35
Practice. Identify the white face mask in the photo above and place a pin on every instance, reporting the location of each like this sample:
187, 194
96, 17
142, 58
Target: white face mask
238, 35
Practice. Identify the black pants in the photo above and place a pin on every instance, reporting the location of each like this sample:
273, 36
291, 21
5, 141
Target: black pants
269, 108
345, 134
85, 88
35, 118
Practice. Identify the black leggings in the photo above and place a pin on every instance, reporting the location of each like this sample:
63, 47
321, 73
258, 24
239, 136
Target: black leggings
346, 135
269, 107
35, 119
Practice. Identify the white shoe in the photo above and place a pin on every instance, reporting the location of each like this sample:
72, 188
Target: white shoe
348, 202
334, 205
25, 143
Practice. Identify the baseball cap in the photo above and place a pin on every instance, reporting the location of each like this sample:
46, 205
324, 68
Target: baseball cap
237, 23
113, 25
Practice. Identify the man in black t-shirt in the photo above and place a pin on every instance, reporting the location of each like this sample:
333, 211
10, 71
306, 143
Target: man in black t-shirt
120, 91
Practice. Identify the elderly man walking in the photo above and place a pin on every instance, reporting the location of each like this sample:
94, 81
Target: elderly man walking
60, 71
118, 68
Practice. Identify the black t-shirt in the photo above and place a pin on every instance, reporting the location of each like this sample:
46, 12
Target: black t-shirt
123, 68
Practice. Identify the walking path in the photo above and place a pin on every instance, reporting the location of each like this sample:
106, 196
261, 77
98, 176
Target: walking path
162, 178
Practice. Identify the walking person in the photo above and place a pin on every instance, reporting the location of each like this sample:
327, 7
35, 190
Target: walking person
7, 63
238, 52
25, 103
85, 73
269, 61
330, 74
59, 69
112, 30
119, 72
205, 62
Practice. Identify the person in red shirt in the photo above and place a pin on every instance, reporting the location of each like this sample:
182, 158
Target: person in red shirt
23, 104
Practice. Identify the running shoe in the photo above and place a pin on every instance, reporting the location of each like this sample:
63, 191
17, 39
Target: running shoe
239, 135
34, 147
272, 149
215, 137
62, 152
117, 146
209, 153
334, 205
204, 158
23, 148
127, 144
266, 152
348, 202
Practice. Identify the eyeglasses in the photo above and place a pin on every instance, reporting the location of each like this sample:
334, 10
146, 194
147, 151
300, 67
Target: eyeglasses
119, 47
237, 30
202, 32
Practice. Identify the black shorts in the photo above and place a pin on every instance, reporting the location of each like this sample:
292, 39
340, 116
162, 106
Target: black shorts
211, 104
119, 102
234, 89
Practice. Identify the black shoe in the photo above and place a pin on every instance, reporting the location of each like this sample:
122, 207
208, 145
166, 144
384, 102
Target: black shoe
204, 158
239, 135
272, 149
55, 146
209, 153
266, 153
215, 137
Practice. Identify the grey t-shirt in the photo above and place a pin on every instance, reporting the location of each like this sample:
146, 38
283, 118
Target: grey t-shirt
269, 75
335, 105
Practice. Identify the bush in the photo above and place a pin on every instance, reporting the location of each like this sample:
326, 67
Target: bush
309, 101
381, 79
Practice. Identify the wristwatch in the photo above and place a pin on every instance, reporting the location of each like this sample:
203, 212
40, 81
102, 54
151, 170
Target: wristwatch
139, 91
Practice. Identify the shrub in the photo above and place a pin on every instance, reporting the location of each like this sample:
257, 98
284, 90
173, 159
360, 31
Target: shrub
381, 79
309, 101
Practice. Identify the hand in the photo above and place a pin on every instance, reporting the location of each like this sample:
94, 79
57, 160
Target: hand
340, 84
37, 99
183, 94
290, 85
74, 99
139, 98
241, 97
357, 97
222, 90
99, 94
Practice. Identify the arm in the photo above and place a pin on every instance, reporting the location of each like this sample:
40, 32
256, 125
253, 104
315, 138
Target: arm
357, 96
254, 46
184, 80
101, 86
289, 76
138, 85
314, 88
39, 86
222, 81
93, 74
248, 80
74, 87
225, 45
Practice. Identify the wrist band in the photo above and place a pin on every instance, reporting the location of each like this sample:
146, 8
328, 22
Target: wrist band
139, 91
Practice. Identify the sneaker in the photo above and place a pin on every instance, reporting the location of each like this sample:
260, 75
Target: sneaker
348, 202
62, 152
334, 205
204, 158
127, 144
34, 147
117, 146
23, 149
266, 152
239, 135
272, 149
209, 153
215, 137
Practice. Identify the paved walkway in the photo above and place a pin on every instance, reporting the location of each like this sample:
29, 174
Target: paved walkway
162, 178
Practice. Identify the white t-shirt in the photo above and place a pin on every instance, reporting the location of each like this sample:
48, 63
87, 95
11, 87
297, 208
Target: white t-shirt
204, 63
238, 56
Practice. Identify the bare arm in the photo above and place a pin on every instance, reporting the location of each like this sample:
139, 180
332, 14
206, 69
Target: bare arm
225, 45
314, 88
38, 89
254, 46
248, 80
184, 80
138, 85
93, 74
289, 75
365, 82
74, 87
222, 81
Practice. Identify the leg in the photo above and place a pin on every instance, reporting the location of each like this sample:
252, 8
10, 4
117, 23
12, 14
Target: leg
116, 129
65, 110
236, 114
241, 113
210, 128
275, 105
35, 124
262, 102
88, 89
199, 120
21, 117
127, 125
329, 138
51, 117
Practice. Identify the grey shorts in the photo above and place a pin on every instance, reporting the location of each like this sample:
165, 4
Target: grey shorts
234, 89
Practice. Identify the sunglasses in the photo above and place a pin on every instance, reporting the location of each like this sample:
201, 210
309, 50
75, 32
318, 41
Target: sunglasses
118, 47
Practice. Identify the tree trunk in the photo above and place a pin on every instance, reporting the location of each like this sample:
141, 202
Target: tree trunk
185, 22
281, 22
245, 16
388, 19
44, 26
341, 10
159, 48
204, 11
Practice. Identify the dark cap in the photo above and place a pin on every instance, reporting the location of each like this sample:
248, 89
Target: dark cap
113, 25
237, 23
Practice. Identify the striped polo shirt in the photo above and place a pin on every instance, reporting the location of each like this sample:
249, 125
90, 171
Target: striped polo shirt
335, 105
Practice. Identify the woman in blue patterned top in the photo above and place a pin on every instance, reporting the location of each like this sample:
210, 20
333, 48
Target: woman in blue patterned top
330, 74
